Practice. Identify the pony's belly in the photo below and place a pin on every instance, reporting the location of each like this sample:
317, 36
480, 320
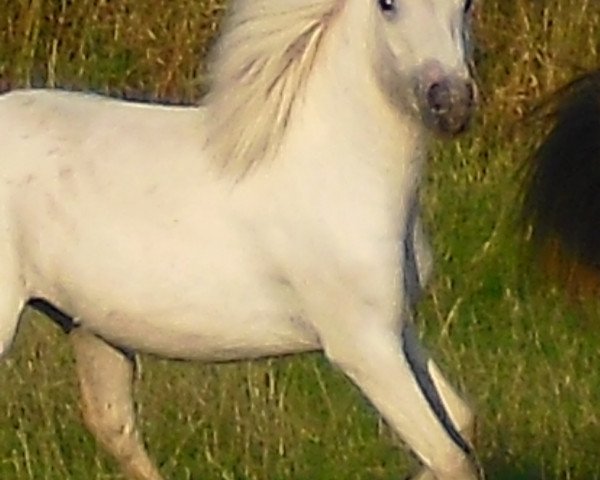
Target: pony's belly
208, 339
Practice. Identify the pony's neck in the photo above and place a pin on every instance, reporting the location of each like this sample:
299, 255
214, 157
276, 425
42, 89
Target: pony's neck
345, 95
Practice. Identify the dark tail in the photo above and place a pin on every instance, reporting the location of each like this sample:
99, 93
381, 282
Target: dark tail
561, 203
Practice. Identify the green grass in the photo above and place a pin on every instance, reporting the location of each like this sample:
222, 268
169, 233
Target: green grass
526, 356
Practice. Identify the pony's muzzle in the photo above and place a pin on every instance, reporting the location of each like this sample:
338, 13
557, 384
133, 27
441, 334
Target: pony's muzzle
446, 103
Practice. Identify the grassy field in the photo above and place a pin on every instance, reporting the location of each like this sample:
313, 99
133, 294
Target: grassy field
527, 356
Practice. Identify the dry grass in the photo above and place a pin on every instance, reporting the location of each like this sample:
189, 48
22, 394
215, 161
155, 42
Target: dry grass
125, 47
529, 359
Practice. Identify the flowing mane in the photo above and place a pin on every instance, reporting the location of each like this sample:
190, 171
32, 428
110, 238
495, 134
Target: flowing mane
261, 62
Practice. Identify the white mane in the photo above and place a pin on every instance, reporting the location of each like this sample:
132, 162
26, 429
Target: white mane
261, 62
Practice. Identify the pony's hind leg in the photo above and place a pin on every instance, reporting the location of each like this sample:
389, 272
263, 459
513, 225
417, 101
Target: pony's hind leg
105, 379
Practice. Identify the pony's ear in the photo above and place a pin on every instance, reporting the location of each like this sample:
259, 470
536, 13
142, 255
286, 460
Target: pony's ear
561, 201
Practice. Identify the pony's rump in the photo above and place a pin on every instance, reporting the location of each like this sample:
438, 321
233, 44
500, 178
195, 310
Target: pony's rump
561, 203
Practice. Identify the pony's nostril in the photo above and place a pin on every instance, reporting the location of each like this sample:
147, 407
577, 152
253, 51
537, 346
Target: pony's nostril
447, 104
439, 97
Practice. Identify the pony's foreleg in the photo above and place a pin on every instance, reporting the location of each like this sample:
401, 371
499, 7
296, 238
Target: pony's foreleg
105, 379
371, 354
435, 386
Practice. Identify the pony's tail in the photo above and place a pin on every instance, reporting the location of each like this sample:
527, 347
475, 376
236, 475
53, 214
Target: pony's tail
561, 202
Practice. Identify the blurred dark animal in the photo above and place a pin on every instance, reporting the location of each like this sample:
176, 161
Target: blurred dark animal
561, 203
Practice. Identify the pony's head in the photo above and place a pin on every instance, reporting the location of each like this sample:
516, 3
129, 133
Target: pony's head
269, 49
422, 55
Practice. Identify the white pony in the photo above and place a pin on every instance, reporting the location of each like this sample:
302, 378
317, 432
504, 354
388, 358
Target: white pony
281, 216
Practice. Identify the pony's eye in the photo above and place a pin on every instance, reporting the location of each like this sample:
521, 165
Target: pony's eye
468, 6
388, 6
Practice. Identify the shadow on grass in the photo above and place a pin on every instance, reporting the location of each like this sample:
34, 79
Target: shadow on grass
499, 470
530, 469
